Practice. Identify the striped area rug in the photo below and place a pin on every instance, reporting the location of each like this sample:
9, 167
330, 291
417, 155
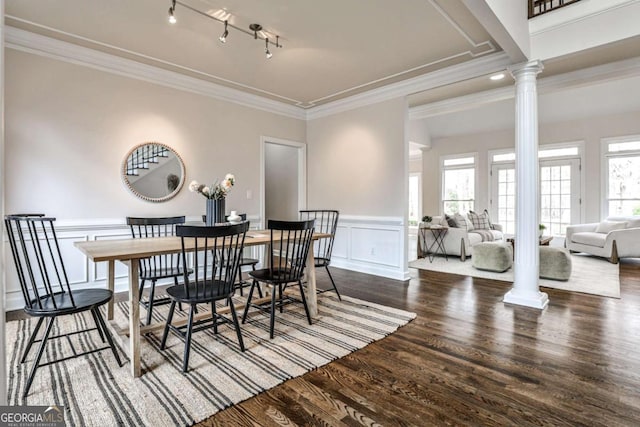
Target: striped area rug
96, 392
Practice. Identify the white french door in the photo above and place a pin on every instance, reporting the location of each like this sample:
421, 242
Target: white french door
503, 189
559, 195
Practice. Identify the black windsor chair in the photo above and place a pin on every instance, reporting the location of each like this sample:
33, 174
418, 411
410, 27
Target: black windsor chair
326, 222
290, 241
244, 262
218, 251
156, 267
45, 287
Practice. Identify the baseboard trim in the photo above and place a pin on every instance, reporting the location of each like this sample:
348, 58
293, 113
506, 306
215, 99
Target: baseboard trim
389, 273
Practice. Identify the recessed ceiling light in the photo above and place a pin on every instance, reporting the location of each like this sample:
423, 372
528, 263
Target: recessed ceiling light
497, 77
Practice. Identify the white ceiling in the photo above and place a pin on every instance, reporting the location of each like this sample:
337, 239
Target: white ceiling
332, 48
608, 98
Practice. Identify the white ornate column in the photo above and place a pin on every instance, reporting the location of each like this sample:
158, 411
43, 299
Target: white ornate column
525, 289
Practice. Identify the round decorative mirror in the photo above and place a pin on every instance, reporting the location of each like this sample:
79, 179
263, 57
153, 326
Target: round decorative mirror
153, 172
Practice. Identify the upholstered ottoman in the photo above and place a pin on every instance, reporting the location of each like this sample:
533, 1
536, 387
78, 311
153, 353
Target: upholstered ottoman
555, 263
492, 256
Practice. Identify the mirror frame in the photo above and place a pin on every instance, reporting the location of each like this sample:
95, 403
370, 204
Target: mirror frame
123, 174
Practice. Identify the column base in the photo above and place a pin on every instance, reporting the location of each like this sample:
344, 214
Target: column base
538, 300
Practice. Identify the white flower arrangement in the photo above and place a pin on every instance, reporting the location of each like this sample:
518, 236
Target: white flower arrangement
216, 191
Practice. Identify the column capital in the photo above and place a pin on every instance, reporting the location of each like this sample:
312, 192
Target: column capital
524, 68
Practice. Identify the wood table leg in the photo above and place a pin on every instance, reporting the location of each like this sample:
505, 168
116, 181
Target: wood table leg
111, 286
134, 318
312, 297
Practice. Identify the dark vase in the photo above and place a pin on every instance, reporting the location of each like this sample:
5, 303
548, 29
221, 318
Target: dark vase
215, 211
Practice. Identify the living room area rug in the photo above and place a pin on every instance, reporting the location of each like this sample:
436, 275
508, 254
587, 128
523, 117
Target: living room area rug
589, 275
96, 392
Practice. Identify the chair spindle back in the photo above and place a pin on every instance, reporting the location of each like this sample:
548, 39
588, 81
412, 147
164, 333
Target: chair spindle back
142, 228
290, 241
221, 248
38, 260
326, 222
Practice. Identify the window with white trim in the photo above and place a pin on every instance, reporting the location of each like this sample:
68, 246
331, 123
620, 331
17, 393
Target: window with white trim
415, 198
622, 176
458, 183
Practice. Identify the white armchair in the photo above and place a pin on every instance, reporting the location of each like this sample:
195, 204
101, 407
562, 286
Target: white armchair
614, 238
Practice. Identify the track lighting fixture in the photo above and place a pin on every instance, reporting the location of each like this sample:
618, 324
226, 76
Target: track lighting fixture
223, 37
266, 50
255, 30
172, 9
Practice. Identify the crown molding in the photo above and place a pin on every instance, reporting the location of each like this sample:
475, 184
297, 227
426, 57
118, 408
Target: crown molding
485, 65
574, 79
37, 44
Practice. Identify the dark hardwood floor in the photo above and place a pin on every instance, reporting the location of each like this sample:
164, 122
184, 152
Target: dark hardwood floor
469, 359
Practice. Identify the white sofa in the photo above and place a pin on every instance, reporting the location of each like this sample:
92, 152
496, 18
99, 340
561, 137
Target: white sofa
614, 238
457, 241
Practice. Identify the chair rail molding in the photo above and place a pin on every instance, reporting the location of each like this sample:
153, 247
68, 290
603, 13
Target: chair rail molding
83, 273
365, 244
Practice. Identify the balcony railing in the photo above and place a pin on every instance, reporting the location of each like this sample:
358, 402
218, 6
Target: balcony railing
538, 7
144, 156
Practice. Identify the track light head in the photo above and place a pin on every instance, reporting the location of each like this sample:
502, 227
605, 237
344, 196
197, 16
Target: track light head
266, 49
255, 28
223, 37
172, 9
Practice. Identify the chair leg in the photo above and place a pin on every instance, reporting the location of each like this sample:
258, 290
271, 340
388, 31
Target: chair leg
107, 334
273, 313
151, 297
240, 280
304, 301
236, 324
32, 339
175, 282
95, 319
187, 340
280, 296
141, 289
166, 327
332, 282
36, 362
248, 303
214, 315
259, 288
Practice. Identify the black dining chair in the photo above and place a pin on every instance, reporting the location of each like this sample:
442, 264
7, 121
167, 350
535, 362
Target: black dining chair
45, 287
218, 251
156, 267
244, 262
326, 222
290, 241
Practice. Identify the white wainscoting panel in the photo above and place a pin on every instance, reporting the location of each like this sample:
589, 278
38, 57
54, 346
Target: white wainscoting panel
371, 245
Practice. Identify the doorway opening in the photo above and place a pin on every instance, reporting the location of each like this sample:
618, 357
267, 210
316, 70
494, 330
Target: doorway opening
284, 179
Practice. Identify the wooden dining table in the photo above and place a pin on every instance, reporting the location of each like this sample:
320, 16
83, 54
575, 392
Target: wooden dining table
131, 251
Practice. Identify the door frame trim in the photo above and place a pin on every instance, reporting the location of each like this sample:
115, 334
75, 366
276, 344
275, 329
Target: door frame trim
302, 172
